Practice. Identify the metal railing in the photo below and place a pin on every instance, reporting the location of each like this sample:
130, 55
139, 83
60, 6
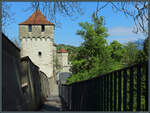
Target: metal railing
121, 90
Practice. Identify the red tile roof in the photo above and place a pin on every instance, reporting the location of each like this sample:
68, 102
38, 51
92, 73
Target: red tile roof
37, 18
62, 50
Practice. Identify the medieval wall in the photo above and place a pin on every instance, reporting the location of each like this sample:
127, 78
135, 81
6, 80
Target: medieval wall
45, 86
54, 91
22, 87
12, 95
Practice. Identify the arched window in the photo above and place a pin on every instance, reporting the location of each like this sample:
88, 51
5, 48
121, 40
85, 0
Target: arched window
40, 53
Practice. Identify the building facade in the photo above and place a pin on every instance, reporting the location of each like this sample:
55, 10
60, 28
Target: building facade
62, 57
36, 36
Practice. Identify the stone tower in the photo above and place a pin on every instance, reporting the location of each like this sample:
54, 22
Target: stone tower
36, 36
62, 56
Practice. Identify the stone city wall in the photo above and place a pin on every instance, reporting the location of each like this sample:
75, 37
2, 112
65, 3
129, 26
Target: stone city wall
12, 94
53, 86
21, 80
45, 86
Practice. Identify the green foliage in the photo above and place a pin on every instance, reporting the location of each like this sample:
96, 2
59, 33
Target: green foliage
117, 50
145, 44
95, 57
130, 56
136, 56
144, 54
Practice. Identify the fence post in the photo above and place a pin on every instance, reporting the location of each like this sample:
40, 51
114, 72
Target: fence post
101, 94
124, 90
105, 104
115, 90
131, 90
146, 89
102, 80
108, 92
70, 106
138, 87
119, 90
98, 108
111, 85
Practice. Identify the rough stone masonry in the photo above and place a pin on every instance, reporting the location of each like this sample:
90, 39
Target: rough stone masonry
36, 36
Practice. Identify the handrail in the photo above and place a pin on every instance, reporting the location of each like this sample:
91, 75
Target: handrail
125, 89
125, 68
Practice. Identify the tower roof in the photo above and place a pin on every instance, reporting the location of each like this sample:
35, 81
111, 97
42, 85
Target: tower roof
62, 50
37, 18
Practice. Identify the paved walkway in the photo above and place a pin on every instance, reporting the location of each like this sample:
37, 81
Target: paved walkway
52, 103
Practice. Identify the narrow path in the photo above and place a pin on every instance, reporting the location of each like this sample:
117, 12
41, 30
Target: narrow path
52, 103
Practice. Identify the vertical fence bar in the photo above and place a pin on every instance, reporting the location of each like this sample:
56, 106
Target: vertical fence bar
67, 96
146, 89
102, 93
138, 87
111, 85
119, 91
108, 92
98, 94
125, 90
100, 86
70, 98
131, 90
105, 104
115, 90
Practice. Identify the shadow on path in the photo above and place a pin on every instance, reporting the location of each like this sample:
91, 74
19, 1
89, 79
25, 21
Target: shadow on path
49, 108
52, 103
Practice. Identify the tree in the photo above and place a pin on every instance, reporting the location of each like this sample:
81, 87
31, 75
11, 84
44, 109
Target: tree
7, 17
145, 45
142, 55
117, 51
93, 57
53, 8
131, 52
138, 11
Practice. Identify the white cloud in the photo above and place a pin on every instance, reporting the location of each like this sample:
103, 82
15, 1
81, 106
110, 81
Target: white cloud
128, 39
123, 34
121, 31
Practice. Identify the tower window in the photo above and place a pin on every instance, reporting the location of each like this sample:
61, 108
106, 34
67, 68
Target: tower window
30, 28
39, 53
43, 28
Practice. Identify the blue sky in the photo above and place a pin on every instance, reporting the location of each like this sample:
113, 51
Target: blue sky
119, 27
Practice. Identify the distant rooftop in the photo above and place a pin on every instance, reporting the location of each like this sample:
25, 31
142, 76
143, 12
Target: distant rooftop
62, 50
37, 18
